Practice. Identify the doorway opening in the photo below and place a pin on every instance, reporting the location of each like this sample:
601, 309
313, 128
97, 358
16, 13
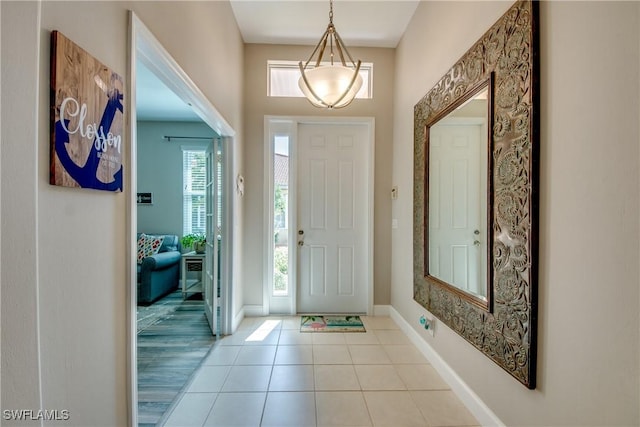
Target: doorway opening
210, 196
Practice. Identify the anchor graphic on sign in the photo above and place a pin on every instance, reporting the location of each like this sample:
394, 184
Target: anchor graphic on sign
86, 176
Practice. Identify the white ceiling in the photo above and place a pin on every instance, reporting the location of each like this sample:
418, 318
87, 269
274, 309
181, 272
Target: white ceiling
370, 23
373, 23
156, 102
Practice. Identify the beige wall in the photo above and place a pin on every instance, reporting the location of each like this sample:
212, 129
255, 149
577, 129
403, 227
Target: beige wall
588, 361
257, 105
64, 275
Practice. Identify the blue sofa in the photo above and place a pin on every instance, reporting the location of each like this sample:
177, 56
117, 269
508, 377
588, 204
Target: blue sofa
159, 274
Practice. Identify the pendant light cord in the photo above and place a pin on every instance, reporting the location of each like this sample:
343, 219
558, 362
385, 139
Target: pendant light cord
330, 11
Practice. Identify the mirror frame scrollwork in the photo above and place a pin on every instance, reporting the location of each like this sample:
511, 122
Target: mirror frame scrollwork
505, 328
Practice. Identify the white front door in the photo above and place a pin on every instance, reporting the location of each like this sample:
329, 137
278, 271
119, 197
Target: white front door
457, 191
332, 211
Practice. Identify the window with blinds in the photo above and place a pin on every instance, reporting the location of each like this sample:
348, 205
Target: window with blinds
194, 178
283, 79
219, 188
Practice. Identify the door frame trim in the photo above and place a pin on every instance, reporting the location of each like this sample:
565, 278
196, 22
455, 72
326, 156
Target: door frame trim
293, 122
144, 46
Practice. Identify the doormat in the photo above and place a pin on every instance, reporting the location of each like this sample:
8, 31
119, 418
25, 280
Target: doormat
331, 324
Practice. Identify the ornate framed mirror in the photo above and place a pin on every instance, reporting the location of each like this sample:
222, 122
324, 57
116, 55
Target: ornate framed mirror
476, 154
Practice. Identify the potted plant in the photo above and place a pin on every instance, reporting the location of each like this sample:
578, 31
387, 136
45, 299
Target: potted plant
195, 241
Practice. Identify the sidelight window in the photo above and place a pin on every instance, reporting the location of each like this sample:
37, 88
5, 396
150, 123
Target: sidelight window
281, 216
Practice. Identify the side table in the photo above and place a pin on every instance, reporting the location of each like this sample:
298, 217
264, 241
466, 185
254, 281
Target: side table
191, 261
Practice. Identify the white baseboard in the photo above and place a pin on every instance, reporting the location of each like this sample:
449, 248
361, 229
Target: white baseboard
476, 406
253, 310
381, 310
237, 320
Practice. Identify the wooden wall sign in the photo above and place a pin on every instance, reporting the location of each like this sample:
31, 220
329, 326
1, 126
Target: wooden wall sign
87, 117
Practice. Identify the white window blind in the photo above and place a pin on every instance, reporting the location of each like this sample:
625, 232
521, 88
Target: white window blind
194, 177
283, 79
219, 164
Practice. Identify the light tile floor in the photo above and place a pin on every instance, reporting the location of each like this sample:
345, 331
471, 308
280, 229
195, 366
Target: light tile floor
270, 374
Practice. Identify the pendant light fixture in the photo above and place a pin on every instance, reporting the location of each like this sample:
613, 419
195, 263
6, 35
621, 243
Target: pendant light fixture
333, 84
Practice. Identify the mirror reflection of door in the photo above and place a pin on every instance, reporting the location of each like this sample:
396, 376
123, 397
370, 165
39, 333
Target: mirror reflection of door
458, 198
455, 226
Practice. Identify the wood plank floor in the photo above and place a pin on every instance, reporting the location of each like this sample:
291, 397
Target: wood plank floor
169, 351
